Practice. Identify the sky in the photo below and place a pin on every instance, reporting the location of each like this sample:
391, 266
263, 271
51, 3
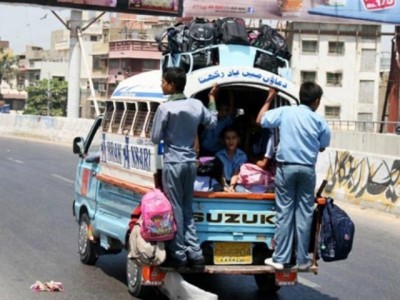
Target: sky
23, 25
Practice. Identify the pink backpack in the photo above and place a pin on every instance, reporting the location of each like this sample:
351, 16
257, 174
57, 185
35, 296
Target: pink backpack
158, 218
251, 174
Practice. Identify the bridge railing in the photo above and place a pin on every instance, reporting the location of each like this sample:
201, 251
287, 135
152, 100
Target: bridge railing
365, 126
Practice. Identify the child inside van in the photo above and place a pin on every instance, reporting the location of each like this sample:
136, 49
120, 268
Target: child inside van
232, 158
210, 140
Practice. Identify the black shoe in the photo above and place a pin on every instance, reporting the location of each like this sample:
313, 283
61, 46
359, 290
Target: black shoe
172, 263
197, 263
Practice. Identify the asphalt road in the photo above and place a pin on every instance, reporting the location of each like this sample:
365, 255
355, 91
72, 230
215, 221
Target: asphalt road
38, 237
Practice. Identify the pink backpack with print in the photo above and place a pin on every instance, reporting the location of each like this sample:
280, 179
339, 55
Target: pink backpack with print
158, 218
251, 174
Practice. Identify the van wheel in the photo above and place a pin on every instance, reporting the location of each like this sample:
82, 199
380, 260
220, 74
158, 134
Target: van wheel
266, 283
87, 249
134, 278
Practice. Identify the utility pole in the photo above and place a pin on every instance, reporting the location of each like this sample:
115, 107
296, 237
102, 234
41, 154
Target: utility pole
74, 74
48, 94
391, 104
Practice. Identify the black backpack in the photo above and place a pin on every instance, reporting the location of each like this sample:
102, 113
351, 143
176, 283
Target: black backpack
232, 31
270, 40
200, 34
337, 233
175, 37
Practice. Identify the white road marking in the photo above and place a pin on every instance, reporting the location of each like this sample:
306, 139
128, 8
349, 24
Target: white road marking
308, 283
15, 160
63, 178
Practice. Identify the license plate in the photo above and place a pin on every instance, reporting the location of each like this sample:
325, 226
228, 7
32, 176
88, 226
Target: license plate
286, 277
232, 253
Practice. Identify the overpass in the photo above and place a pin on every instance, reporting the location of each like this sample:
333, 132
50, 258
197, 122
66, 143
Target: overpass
361, 167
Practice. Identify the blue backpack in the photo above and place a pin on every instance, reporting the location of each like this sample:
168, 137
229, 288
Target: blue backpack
337, 233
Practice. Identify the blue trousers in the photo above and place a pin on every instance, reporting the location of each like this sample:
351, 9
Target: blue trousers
178, 181
294, 188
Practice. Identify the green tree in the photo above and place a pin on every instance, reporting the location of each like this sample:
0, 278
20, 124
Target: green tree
47, 98
7, 72
7, 62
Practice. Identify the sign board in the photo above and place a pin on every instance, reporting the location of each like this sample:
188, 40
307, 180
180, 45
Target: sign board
344, 11
149, 7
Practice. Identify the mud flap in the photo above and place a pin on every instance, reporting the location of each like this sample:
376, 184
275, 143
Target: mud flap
287, 276
152, 275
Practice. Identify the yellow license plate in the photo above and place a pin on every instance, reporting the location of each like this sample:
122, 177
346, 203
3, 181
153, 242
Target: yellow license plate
232, 253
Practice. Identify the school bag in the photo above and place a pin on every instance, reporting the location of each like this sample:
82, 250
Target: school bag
158, 219
251, 174
232, 31
200, 34
172, 39
145, 252
270, 40
337, 233
209, 175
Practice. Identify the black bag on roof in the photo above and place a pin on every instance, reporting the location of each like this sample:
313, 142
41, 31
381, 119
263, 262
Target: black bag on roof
172, 39
200, 34
232, 31
270, 40
337, 233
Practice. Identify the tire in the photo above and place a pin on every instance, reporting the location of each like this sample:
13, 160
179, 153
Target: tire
134, 278
266, 283
87, 249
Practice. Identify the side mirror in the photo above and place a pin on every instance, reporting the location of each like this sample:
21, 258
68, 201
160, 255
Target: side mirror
78, 146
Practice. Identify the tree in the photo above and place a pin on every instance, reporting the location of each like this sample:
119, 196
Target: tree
47, 98
7, 62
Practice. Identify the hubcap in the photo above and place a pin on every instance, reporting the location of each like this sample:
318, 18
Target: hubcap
83, 240
132, 270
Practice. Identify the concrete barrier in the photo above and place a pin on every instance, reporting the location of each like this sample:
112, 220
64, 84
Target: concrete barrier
361, 168
362, 178
54, 129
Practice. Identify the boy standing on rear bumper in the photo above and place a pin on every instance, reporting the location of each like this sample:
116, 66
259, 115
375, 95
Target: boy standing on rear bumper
303, 134
176, 122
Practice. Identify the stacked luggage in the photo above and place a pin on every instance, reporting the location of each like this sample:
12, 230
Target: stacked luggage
199, 35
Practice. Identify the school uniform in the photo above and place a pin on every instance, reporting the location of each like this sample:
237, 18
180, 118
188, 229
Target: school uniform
231, 165
176, 122
302, 134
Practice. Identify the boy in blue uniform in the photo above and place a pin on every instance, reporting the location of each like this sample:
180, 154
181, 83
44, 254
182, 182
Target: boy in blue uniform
303, 134
232, 158
176, 122
211, 137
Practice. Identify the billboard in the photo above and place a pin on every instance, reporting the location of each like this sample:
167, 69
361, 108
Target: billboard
382, 11
149, 7
345, 11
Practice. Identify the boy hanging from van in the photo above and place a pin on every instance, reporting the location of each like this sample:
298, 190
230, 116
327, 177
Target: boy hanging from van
176, 122
302, 134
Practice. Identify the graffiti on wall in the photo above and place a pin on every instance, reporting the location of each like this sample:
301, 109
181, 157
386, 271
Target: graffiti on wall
363, 178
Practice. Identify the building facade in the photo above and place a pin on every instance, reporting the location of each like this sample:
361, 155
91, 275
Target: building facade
345, 60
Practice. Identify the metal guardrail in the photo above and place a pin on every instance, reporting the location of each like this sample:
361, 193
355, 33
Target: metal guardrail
365, 126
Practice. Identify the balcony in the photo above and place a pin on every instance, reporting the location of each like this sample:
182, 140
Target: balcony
135, 49
100, 48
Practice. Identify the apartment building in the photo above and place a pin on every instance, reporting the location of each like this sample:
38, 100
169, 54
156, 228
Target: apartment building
345, 60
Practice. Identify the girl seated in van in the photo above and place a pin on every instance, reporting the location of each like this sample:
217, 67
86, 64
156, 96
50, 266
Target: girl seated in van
232, 159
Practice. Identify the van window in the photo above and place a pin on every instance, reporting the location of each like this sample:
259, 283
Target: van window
108, 116
128, 118
140, 119
118, 114
149, 124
